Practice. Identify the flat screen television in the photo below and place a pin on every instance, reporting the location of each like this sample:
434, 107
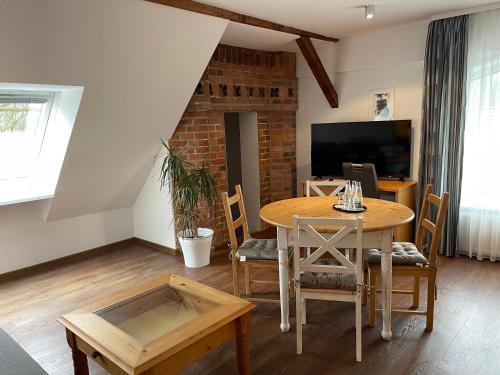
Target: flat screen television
387, 144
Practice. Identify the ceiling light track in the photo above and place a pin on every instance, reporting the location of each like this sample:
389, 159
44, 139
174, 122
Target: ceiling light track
369, 11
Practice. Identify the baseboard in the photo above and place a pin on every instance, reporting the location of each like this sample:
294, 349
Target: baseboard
156, 246
219, 250
12, 275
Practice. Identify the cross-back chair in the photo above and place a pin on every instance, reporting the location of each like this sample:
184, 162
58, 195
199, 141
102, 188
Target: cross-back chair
335, 278
324, 188
409, 261
318, 187
252, 253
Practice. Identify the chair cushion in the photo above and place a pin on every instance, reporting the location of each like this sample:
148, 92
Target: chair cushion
323, 280
257, 248
403, 254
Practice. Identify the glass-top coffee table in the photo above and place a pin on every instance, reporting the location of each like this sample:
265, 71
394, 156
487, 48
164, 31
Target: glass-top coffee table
158, 328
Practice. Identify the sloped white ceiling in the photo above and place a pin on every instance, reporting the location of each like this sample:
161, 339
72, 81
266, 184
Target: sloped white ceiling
139, 63
342, 18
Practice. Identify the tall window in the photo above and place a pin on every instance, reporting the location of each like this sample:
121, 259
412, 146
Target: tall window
479, 227
480, 186
23, 122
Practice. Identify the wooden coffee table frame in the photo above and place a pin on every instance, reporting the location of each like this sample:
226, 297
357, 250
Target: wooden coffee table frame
89, 335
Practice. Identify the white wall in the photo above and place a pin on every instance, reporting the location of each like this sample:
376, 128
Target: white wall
249, 141
139, 63
389, 58
153, 214
25, 239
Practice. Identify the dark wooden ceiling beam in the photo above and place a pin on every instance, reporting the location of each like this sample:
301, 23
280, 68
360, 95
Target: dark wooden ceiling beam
314, 62
210, 10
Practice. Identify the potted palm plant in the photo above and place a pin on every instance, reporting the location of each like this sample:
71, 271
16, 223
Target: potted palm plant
193, 196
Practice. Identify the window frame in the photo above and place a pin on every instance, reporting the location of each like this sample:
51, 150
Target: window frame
53, 135
46, 116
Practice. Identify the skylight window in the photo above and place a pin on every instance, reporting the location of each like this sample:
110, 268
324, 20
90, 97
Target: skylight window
23, 122
36, 122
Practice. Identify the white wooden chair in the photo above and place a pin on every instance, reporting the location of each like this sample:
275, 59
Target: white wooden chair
318, 187
334, 279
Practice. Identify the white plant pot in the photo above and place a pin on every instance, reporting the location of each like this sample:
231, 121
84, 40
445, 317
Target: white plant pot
196, 251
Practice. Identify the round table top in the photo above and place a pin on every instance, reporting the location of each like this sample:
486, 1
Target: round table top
380, 214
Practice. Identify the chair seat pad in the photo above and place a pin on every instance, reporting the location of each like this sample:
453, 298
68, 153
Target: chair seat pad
258, 248
403, 254
323, 280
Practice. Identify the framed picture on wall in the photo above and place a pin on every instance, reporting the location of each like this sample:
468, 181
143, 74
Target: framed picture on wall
382, 104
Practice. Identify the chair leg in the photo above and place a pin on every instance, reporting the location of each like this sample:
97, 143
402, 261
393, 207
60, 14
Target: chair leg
372, 282
365, 290
234, 264
416, 292
247, 281
431, 284
358, 328
304, 310
291, 274
298, 320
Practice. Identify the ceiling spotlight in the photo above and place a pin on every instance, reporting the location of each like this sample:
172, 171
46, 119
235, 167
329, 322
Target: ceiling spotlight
369, 11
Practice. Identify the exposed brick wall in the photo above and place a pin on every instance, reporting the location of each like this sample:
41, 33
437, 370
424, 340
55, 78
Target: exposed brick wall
243, 80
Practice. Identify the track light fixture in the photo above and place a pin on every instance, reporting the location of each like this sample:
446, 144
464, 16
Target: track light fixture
369, 11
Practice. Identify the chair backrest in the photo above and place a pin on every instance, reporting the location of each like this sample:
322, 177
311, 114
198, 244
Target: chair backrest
425, 225
241, 221
306, 235
316, 186
364, 173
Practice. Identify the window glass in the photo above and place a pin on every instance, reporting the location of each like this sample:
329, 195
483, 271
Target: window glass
23, 121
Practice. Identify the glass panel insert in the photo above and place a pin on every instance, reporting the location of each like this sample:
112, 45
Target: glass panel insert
151, 315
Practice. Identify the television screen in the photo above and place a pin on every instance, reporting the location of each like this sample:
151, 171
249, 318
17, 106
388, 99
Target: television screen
387, 144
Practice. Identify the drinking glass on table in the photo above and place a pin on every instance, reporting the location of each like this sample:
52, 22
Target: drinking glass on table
341, 201
360, 195
348, 195
357, 197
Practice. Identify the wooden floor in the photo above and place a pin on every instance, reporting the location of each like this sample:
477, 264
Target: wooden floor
465, 340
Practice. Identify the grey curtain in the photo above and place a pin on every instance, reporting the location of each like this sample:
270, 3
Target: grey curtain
441, 142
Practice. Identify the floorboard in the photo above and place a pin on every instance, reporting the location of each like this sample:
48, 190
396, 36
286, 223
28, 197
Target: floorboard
465, 340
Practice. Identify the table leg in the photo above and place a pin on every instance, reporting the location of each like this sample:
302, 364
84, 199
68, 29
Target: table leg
283, 276
386, 273
242, 329
80, 363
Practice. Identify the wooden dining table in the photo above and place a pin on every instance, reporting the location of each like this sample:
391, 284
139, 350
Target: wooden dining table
380, 219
